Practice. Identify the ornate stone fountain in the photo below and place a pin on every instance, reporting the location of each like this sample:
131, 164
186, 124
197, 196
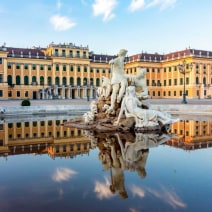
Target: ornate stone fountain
120, 106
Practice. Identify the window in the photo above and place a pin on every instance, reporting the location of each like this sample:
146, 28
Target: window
78, 81
170, 69
25, 66
34, 123
26, 124
33, 67
26, 80
63, 53
70, 53
1, 93
187, 80
49, 123
56, 52
42, 123
97, 82
18, 124
18, 80
64, 81
71, 81
57, 122
170, 82
164, 83
164, 93
10, 125
147, 82
9, 93
91, 81
97, 70
57, 67
34, 79
85, 69
1, 78
49, 68
181, 93
158, 93
17, 66
175, 81
153, 93
57, 81
41, 80
78, 68
49, 80
164, 69
9, 66
41, 67
18, 94
9, 80
64, 67
84, 55
91, 70
169, 93
71, 68
78, 54
175, 93
26, 94
181, 81
103, 71
0, 60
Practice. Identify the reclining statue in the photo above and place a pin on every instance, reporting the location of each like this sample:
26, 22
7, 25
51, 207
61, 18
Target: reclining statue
131, 106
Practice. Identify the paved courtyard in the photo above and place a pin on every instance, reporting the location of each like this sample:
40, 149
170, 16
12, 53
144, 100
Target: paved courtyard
81, 102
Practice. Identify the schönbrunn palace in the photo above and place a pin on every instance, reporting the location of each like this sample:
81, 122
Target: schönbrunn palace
67, 71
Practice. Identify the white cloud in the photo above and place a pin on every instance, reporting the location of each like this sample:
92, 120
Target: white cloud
136, 5
139, 4
61, 23
168, 196
102, 189
105, 8
164, 4
63, 174
137, 191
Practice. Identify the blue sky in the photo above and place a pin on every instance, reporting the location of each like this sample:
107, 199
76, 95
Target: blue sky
106, 26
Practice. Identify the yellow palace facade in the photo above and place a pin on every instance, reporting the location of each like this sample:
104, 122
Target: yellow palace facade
67, 71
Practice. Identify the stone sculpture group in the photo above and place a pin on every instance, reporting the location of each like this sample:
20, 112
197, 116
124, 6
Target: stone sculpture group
120, 103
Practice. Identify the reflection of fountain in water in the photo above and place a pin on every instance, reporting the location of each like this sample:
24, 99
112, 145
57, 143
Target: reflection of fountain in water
124, 152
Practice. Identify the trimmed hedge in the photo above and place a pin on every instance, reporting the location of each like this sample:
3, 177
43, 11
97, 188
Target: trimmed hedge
25, 102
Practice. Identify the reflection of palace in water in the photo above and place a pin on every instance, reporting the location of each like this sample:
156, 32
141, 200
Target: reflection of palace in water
42, 137
192, 134
50, 137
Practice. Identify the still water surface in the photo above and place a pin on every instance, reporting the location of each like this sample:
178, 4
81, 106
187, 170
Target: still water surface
47, 167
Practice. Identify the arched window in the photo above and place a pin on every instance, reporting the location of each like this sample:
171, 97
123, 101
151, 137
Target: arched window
18, 80
9, 80
26, 80
97, 82
41, 80
57, 81
64, 81
78, 81
71, 81
49, 81
204, 80
91, 81
197, 80
34, 79
85, 81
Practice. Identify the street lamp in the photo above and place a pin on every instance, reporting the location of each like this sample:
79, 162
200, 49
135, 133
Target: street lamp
183, 69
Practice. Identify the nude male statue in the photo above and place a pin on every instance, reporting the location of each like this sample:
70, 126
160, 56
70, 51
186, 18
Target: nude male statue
118, 80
